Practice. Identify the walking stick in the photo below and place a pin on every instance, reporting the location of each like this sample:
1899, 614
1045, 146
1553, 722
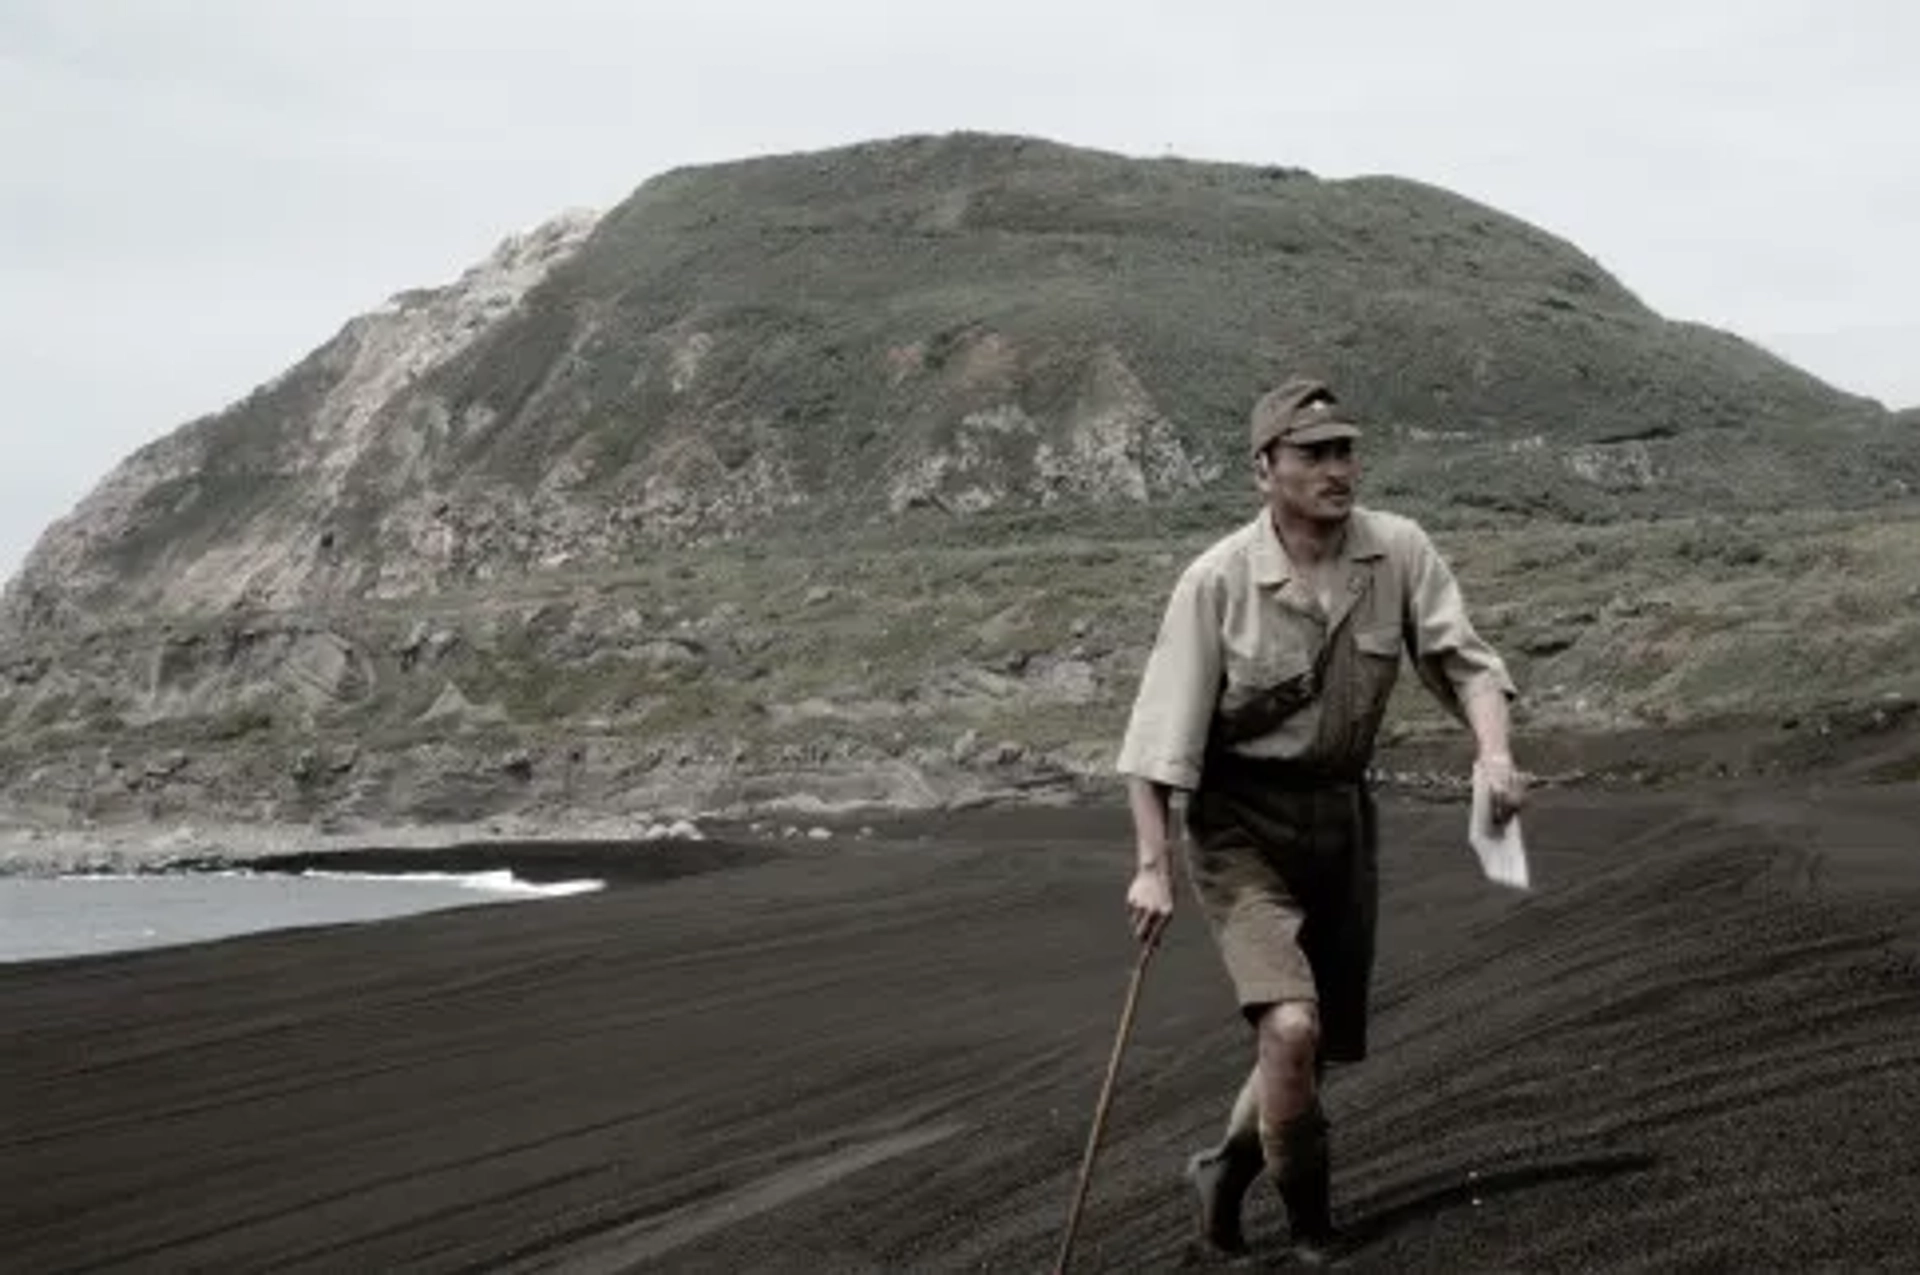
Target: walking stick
1100, 1110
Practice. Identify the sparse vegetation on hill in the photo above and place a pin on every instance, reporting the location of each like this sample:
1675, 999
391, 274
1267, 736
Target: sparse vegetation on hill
910, 667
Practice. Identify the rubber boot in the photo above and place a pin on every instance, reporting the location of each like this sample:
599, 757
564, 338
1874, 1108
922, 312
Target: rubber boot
1220, 1177
1300, 1165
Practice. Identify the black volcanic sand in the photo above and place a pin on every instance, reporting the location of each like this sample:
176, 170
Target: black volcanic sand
1696, 1046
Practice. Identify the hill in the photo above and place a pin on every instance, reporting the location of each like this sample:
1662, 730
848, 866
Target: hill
859, 476
965, 323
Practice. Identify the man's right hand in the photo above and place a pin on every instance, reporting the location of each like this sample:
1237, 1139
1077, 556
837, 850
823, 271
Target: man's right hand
1150, 903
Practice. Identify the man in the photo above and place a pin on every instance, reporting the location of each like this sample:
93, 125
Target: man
1261, 700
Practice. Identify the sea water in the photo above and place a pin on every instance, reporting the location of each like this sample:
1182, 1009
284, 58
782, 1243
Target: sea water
44, 917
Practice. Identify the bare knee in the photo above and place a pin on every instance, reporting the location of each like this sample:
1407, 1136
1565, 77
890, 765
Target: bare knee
1289, 1035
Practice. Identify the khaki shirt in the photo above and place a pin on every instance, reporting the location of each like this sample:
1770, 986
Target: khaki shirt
1234, 665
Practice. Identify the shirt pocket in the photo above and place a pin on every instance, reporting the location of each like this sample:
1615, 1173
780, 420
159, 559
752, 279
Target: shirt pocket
1376, 667
1381, 641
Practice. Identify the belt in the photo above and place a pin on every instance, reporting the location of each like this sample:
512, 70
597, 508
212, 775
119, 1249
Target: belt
1287, 773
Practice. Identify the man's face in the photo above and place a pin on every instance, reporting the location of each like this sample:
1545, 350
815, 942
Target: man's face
1315, 481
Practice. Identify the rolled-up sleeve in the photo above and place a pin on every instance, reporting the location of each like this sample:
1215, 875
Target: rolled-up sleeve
1166, 739
1452, 659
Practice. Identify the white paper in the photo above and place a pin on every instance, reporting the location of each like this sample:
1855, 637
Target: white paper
1502, 851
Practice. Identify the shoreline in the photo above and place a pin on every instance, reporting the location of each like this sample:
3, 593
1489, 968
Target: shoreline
1868, 751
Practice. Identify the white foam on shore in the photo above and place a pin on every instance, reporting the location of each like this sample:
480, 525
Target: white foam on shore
96, 912
497, 881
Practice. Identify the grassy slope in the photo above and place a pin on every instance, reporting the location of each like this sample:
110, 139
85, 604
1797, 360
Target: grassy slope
1212, 280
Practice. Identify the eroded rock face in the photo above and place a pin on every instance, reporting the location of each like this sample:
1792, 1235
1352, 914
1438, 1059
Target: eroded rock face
1616, 466
199, 674
326, 416
1112, 445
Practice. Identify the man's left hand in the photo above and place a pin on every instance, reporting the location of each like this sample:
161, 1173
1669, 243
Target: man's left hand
1506, 789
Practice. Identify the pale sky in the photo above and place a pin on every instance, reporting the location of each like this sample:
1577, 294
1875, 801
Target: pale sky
196, 193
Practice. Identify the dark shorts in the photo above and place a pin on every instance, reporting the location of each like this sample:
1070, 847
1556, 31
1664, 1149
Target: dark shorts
1284, 866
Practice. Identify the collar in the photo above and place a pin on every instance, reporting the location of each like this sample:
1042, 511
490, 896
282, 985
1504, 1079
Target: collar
1271, 565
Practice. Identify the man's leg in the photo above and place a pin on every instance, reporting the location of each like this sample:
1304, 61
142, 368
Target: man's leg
1293, 1129
1237, 847
1221, 1174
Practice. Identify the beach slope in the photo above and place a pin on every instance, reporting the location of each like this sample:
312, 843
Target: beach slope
1695, 1044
